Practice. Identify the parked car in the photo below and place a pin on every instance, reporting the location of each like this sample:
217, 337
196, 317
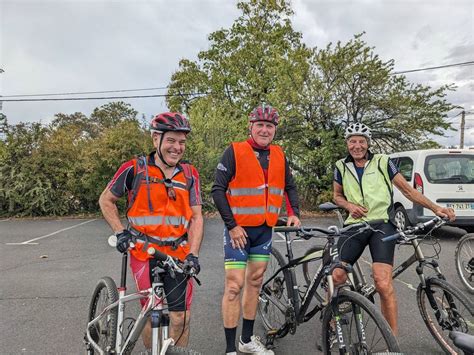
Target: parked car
445, 176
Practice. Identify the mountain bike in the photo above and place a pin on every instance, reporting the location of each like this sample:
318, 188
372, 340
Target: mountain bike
106, 332
464, 256
348, 319
443, 307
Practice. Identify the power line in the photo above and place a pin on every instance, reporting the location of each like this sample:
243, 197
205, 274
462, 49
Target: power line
432, 68
86, 92
2, 98
106, 98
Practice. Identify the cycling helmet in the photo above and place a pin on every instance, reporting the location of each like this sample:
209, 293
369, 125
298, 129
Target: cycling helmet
264, 113
170, 121
358, 129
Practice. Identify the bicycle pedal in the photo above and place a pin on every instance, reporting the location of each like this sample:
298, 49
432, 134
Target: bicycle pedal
270, 338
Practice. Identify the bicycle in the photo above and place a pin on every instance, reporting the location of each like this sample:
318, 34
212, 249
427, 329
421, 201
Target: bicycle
452, 310
347, 317
464, 256
105, 332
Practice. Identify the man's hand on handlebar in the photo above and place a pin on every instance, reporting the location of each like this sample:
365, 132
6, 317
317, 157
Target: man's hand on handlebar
191, 264
293, 221
123, 240
446, 212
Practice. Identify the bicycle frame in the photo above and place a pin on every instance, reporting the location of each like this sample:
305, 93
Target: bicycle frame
330, 258
153, 309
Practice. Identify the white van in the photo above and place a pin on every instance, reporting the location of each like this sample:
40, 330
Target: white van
445, 176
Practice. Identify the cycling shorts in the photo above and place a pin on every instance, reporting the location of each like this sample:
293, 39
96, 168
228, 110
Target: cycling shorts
178, 290
257, 248
352, 246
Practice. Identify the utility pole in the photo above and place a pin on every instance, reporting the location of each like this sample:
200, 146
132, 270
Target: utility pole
463, 123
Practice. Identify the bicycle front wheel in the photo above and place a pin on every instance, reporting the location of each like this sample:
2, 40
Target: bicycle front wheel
364, 329
104, 332
451, 310
273, 298
464, 256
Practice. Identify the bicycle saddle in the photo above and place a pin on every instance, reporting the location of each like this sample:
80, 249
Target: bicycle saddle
328, 206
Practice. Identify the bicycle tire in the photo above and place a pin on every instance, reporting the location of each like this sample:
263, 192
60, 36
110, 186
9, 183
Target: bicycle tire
311, 268
277, 292
345, 298
178, 350
460, 319
106, 332
464, 267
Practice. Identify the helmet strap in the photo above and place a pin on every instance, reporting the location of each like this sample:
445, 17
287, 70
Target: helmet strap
160, 155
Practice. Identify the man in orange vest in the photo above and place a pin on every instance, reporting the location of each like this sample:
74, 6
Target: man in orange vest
164, 202
251, 181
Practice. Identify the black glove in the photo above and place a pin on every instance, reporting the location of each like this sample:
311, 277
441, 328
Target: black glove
192, 263
123, 240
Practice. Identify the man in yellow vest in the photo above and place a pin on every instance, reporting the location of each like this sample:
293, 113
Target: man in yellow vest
164, 202
252, 179
363, 185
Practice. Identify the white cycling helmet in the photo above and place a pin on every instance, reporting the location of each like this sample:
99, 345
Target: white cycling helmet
358, 129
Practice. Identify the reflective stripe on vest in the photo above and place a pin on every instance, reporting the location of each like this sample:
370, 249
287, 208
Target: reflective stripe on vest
247, 191
152, 220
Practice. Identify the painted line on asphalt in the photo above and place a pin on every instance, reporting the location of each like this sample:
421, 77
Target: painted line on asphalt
283, 240
4, 220
51, 234
408, 285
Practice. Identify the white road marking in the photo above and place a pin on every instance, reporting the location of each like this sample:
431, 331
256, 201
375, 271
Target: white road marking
4, 220
51, 234
283, 240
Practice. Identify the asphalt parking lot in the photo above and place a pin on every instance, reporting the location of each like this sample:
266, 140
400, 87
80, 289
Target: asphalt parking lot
49, 269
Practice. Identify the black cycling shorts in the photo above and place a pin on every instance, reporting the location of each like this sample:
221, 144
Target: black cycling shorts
352, 246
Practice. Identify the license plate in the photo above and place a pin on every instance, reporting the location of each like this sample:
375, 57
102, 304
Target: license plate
461, 205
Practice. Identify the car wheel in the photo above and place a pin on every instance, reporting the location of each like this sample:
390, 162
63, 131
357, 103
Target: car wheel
401, 218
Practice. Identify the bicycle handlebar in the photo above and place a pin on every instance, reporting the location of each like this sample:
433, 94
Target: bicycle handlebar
419, 227
174, 263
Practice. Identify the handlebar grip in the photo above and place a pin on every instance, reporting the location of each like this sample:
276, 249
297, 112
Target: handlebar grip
158, 255
391, 237
112, 240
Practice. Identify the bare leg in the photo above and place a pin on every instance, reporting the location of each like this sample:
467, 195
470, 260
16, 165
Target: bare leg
179, 329
253, 282
234, 281
384, 285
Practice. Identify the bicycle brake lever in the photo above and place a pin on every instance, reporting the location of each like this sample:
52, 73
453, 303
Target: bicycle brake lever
197, 280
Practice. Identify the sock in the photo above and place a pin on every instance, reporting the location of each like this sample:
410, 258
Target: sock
247, 329
230, 339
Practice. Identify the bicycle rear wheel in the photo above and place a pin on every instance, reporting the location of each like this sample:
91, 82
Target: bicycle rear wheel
356, 312
311, 268
464, 256
104, 332
273, 298
456, 312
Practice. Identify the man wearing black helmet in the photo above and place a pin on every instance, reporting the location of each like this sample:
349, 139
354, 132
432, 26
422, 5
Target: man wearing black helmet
164, 202
363, 185
252, 180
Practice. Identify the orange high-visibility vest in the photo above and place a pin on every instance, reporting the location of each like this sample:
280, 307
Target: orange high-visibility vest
153, 213
253, 202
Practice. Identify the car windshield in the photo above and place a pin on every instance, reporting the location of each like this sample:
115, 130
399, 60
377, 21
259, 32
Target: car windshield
450, 169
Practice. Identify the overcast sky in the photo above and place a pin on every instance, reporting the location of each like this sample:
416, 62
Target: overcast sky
94, 45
